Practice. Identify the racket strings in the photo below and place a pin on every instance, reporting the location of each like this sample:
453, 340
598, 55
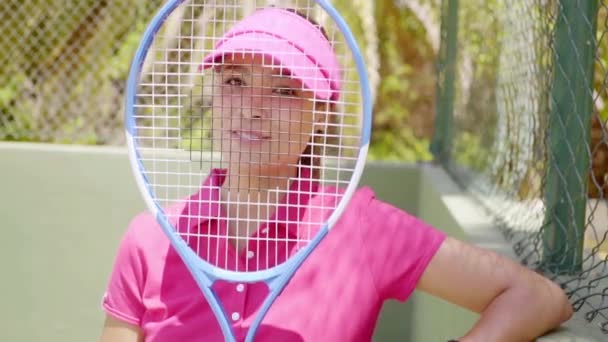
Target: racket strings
249, 139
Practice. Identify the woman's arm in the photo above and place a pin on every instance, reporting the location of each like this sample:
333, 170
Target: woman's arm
115, 330
515, 303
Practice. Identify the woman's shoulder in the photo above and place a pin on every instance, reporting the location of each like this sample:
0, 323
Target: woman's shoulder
145, 233
375, 212
361, 194
361, 202
362, 197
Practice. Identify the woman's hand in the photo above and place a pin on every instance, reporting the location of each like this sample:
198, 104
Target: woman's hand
515, 303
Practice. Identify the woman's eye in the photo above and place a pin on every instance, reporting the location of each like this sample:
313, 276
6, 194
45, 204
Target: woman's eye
235, 82
285, 91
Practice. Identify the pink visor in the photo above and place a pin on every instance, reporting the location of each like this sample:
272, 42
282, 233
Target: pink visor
288, 40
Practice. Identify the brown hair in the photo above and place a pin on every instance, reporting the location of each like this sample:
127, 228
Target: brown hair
318, 145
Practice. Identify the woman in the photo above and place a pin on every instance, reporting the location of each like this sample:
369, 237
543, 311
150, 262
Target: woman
274, 116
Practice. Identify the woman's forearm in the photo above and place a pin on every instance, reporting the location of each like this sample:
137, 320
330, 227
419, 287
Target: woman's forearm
521, 314
515, 303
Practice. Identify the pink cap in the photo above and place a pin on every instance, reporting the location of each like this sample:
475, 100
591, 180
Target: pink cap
288, 40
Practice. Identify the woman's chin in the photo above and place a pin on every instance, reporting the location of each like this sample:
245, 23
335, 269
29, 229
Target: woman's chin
255, 167
248, 166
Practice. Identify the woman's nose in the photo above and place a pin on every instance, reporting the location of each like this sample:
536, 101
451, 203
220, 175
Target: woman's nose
256, 106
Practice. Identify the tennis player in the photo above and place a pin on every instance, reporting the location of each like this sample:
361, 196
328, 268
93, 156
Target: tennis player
375, 252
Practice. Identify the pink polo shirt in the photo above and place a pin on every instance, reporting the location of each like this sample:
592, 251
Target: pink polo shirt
374, 252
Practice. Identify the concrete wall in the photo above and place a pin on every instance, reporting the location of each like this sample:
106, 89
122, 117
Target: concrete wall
64, 208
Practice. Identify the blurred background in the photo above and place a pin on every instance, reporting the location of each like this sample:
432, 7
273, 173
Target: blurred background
63, 68
509, 97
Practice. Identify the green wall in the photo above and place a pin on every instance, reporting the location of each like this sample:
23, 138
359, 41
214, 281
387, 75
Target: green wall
60, 234
59, 238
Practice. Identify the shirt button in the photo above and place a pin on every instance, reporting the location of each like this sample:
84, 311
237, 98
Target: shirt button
250, 254
235, 316
265, 230
240, 288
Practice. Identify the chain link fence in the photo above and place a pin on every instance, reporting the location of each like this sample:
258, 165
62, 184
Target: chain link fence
62, 72
522, 105
64, 64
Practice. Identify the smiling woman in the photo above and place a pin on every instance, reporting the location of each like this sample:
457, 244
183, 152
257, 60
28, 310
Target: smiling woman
264, 121
263, 212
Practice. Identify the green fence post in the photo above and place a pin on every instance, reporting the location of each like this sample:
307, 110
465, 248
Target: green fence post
569, 129
446, 74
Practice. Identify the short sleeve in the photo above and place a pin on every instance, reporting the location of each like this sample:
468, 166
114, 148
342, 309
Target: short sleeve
399, 247
123, 296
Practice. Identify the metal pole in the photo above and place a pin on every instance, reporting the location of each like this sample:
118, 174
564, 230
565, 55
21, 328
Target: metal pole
568, 137
446, 73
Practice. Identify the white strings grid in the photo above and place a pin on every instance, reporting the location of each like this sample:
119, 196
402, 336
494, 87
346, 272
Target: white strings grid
224, 147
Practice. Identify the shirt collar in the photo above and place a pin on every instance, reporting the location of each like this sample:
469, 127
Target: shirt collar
204, 206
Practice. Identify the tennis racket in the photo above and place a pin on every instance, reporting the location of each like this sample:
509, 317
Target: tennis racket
244, 120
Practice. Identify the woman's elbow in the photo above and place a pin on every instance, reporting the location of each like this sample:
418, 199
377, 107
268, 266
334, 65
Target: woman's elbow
554, 300
567, 310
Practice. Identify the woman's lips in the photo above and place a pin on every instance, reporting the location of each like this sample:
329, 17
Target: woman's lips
250, 136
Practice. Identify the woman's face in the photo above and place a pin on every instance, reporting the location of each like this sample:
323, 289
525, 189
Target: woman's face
262, 118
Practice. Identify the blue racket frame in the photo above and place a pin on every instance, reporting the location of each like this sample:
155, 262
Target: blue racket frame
203, 272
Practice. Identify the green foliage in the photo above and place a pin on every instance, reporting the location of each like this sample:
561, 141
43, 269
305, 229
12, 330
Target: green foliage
65, 80
406, 81
475, 105
118, 65
9, 91
601, 68
470, 152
